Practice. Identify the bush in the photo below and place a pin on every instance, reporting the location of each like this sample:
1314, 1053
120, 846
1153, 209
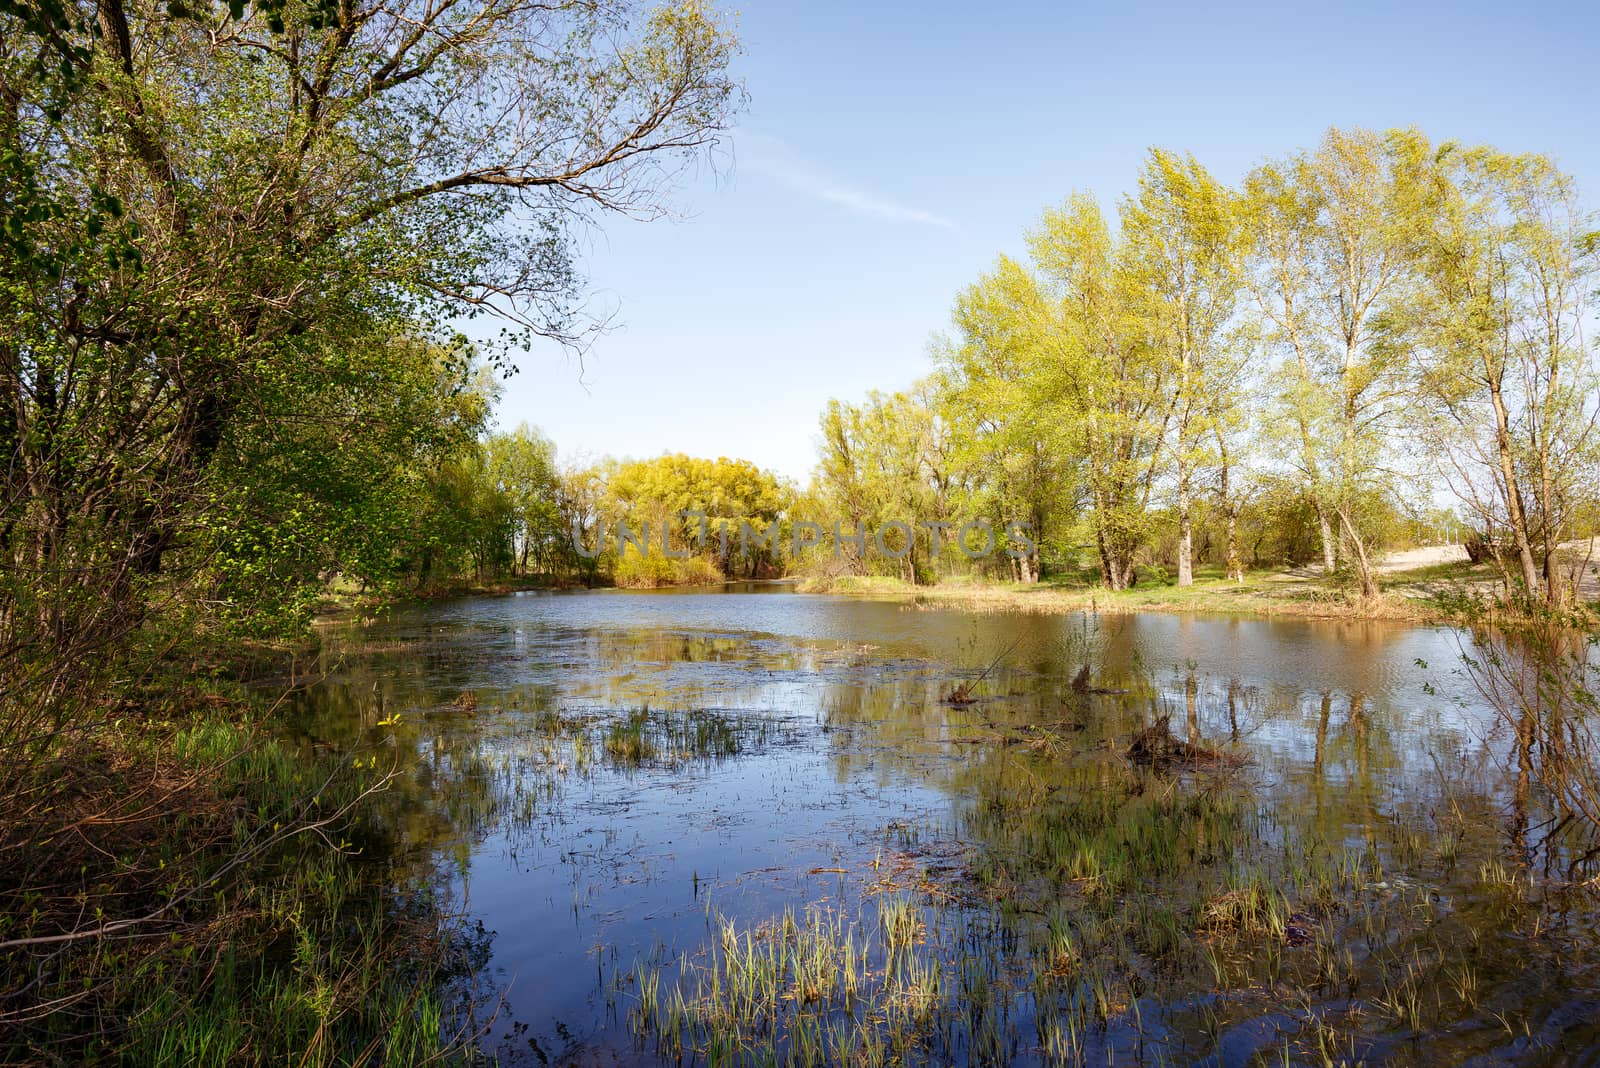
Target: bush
654, 571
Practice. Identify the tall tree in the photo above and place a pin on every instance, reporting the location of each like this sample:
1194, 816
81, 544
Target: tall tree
1278, 215
1497, 335
1114, 379
1182, 249
1004, 407
523, 466
1335, 253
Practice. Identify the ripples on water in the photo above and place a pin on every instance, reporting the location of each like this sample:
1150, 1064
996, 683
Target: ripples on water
608, 780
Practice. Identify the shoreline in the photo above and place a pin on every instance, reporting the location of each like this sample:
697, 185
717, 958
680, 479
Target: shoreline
1213, 597
1435, 594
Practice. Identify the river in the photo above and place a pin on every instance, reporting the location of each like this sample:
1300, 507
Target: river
633, 793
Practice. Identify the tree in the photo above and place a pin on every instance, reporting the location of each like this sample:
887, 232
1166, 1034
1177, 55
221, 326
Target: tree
689, 502
1497, 339
1115, 382
1180, 234
884, 462
1333, 252
1008, 434
1279, 210
339, 481
523, 466
1059, 388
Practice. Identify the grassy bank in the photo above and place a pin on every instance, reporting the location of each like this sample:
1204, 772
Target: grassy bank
1421, 595
181, 887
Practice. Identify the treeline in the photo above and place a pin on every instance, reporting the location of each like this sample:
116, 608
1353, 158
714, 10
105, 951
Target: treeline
1354, 345
506, 508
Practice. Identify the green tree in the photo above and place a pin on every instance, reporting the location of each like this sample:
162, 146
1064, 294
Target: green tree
1497, 336
886, 461
1116, 383
1180, 233
1335, 252
523, 466
1003, 402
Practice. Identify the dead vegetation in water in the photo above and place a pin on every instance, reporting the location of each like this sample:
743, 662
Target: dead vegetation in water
960, 696
1082, 685
964, 694
1158, 749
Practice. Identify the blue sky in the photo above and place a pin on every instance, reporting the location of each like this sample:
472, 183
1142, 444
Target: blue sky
891, 151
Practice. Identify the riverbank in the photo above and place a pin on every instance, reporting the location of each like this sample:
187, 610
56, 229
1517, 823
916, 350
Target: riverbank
186, 885
1426, 594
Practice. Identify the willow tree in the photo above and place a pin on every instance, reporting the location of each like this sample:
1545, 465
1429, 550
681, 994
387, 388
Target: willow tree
885, 462
1179, 233
701, 507
1508, 382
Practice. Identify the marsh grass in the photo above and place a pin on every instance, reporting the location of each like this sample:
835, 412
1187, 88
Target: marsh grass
822, 987
642, 736
1105, 914
205, 901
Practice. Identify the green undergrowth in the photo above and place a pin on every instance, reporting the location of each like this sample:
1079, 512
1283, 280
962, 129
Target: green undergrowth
195, 891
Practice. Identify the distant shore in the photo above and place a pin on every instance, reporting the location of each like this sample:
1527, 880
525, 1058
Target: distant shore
1412, 594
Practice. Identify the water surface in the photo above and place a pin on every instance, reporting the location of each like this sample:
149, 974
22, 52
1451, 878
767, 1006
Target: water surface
804, 758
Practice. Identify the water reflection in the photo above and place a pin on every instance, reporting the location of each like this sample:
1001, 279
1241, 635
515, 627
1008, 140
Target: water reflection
1361, 809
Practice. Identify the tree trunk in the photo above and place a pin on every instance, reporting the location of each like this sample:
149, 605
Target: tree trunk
1185, 530
1108, 570
1512, 490
1330, 556
1235, 564
1369, 581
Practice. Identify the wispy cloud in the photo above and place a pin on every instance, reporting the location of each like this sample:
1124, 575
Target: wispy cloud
771, 157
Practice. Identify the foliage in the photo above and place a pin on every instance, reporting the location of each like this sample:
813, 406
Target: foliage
1294, 368
235, 241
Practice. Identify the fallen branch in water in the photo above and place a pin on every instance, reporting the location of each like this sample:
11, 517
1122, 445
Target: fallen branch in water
962, 695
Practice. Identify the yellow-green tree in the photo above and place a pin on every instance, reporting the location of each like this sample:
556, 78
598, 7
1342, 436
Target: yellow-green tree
886, 461
1508, 382
1181, 238
1335, 235
1013, 449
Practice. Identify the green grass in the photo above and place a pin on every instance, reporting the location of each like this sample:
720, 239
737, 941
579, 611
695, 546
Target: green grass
279, 941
